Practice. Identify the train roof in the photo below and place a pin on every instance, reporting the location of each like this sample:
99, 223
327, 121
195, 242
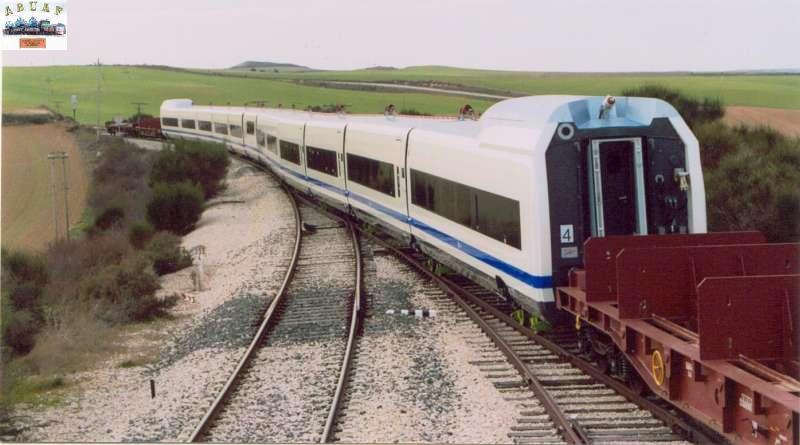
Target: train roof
506, 124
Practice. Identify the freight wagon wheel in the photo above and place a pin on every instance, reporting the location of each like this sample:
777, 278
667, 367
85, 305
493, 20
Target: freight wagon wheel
657, 367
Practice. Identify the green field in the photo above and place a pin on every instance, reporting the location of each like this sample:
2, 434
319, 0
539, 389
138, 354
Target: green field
28, 87
121, 85
774, 91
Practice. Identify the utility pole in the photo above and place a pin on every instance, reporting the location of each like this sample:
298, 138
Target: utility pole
63, 157
138, 109
51, 158
97, 98
49, 82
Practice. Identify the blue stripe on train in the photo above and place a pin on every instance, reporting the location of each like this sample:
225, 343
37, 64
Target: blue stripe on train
537, 281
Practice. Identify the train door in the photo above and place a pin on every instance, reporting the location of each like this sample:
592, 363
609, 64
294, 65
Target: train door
616, 187
250, 123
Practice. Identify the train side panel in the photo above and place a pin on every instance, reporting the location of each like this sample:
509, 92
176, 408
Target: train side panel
291, 161
375, 160
482, 224
325, 166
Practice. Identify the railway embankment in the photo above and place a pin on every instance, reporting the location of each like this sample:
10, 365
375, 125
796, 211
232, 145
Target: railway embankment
246, 238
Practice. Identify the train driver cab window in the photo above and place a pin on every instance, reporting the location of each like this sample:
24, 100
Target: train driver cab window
220, 128
251, 127
169, 121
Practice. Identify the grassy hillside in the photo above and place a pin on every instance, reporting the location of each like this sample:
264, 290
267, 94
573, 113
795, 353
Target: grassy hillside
27, 87
774, 91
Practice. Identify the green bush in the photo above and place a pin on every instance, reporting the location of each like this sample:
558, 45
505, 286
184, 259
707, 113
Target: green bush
693, 111
167, 254
23, 278
140, 233
124, 291
19, 331
120, 180
175, 207
412, 112
203, 163
755, 185
108, 218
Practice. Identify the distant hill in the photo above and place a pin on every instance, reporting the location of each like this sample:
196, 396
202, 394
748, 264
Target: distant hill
381, 68
250, 64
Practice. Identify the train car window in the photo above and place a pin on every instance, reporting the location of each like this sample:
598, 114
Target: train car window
251, 127
322, 160
492, 215
376, 175
261, 138
187, 123
272, 143
291, 152
220, 128
204, 125
169, 121
236, 131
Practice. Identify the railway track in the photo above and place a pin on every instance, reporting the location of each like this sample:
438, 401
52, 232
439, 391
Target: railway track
561, 398
286, 386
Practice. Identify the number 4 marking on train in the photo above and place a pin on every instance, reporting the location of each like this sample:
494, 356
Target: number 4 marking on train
567, 234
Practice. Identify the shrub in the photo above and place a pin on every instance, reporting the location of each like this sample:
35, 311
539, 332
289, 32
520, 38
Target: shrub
693, 111
19, 331
175, 207
203, 163
110, 217
120, 180
167, 254
413, 112
124, 291
755, 185
140, 233
23, 279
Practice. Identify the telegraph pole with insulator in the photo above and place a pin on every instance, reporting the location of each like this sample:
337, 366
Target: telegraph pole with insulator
53, 157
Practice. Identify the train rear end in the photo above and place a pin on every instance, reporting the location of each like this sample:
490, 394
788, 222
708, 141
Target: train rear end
707, 321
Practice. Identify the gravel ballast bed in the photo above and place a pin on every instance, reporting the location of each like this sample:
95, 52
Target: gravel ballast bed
412, 381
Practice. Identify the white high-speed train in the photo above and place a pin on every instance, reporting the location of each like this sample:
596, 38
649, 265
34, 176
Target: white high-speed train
508, 200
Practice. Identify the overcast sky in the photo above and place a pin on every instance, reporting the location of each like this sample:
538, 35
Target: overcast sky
575, 35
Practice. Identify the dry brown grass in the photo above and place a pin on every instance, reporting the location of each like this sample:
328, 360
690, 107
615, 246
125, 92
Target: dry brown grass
74, 341
784, 120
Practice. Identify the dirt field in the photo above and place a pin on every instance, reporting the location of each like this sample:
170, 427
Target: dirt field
784, 120
27, 203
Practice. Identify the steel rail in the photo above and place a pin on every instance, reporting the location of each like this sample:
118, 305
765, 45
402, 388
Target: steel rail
355, 325
232, 380
573, 433
673, 421
564, 426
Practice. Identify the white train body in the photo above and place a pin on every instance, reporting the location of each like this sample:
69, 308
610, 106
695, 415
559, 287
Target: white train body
507, 200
